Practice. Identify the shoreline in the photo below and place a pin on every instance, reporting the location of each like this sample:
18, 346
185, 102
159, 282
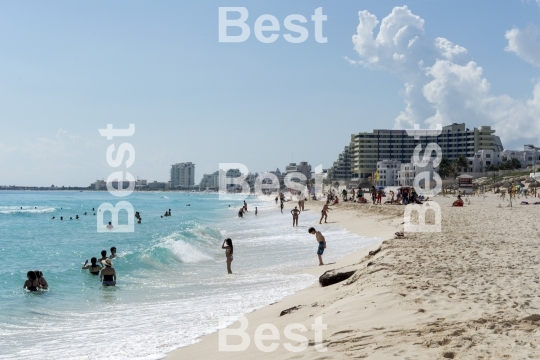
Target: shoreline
360, 219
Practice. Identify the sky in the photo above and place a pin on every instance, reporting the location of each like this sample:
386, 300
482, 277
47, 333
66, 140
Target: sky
70, 68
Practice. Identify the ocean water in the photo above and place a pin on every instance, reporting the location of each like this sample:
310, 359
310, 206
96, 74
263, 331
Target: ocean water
172, 283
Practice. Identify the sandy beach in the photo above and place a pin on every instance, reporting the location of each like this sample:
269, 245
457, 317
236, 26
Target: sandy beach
470, 291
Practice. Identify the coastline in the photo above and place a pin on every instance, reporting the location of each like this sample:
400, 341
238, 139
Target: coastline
361, 219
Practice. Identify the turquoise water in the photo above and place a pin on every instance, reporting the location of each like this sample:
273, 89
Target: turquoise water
172, 283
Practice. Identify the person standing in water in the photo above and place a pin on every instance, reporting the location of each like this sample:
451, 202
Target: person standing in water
245, 206
113, 253
322, 243
31, 283
256, 211
94, 267
295, 212
228, 246
281, 207
103, 256
41, 280
108, 275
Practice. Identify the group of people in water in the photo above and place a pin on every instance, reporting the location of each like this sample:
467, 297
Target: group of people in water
35, 281
103, 267
71, 217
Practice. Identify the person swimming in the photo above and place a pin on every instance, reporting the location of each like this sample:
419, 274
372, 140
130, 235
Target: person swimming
110, 226
41, 280
31, 284
228, 253
113, 253
108, 275
94, 267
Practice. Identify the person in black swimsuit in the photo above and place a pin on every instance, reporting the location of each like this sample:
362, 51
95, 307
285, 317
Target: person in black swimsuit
94, 267
31, 284
108, 275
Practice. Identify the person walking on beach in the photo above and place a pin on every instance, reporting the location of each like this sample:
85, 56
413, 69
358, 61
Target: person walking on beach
324, 212
93, 267
373, 193
108, 275
295, 212
322, 243
228, 246
379, 196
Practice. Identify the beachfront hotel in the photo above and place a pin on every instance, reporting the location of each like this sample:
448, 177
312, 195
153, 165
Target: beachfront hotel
182, 175
359, 159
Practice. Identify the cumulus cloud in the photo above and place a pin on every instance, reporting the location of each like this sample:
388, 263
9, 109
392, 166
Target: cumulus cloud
525, 43
442, 84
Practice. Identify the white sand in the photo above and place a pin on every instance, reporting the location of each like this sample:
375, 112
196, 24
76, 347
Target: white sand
466, 292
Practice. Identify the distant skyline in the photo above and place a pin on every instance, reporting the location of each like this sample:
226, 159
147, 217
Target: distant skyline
68, 69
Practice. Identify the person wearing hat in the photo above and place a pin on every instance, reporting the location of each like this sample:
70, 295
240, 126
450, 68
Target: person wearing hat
108, 275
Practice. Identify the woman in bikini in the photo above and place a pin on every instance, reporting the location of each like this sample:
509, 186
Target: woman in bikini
108, 275
41, 280
94, 267
31, 284
228, 253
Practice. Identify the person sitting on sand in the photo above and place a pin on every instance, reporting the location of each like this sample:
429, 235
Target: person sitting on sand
31, 283
41, 280
322, 243
94, 267
228, 253
108, 275
295, 212
458, 202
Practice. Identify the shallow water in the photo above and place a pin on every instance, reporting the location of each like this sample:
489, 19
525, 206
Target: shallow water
172, 282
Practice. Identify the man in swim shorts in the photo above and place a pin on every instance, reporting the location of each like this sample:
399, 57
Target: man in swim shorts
322, 243
295, 212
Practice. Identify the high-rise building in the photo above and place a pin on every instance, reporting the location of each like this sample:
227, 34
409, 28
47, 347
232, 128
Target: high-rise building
359, 160
303, 167
182, 175
210, 181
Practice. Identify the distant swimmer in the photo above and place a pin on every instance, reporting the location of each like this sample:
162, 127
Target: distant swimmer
324, 212
139, 221
103, 256
93, 267
77, 217
188, 205
52, 218
169, 212
245, 206
61, 218
94, 214
41, 280
108, 275
85, 213
70, 218
93, 209
113, 253
31, 283
322, 243
21, 207
295, 212
110, 226
228, 253
256, 211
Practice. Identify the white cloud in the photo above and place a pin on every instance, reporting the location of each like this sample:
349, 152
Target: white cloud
525, 43
442, 84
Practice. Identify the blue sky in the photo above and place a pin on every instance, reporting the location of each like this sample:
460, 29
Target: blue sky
69, 68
